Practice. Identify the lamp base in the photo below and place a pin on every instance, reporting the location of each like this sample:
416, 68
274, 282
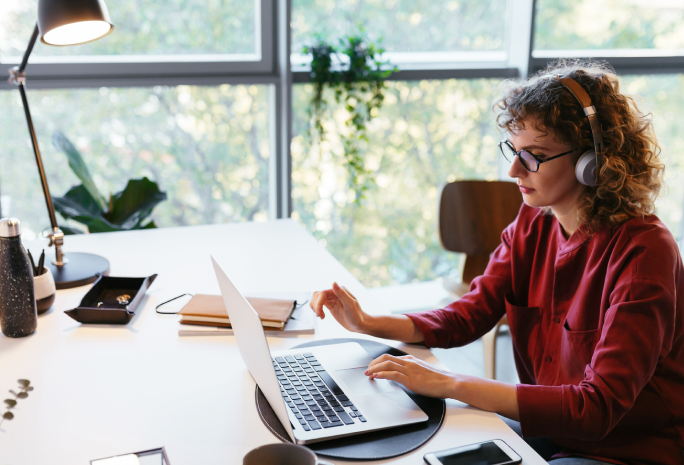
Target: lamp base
82, 269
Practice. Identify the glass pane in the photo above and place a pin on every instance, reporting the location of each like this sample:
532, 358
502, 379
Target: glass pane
145, 27
663, 96
609, 24
206, 147
404, 25
426, 133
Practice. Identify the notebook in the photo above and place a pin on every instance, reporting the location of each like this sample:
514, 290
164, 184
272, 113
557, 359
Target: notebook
210, 310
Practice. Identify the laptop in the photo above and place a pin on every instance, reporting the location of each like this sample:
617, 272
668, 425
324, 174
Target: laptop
318, 393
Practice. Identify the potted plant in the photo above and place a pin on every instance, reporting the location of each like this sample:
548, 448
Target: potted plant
355, 73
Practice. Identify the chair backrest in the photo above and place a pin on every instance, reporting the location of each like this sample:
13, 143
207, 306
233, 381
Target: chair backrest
473, 214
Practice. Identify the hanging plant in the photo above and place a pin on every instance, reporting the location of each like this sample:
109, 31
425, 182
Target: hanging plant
359, 82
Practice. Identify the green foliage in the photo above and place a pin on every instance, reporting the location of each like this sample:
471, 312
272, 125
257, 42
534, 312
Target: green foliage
24, 388
608, 24
360, 83
126, 210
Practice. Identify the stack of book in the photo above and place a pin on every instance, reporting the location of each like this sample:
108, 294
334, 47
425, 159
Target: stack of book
206, 315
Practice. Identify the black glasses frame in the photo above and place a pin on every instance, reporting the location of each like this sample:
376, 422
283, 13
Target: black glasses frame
516, 153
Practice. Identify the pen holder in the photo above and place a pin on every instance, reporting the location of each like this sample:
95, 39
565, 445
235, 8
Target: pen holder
44, 290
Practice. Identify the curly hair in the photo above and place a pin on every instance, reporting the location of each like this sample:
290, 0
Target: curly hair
631, 173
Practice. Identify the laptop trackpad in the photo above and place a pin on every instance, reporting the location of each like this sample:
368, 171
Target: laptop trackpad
361, 385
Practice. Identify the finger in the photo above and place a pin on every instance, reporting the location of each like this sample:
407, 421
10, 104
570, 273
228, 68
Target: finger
385, 357
351, 296
384, 366
323, 297
393, 376
342, 295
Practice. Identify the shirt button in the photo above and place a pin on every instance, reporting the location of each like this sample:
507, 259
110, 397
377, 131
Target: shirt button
556, 320
548, 358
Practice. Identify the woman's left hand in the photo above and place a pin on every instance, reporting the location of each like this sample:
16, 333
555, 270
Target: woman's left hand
417, 375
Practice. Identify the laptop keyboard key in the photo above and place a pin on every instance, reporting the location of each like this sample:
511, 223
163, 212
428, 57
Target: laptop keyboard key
347, 403
330, 382
338, 409
299, 357
279, 359
319, 368
314, 425
352, 414
362, 419
306, 428
341, 398
302, 422
345, 418
353, 408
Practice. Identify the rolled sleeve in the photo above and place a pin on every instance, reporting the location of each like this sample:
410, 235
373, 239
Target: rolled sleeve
541, 412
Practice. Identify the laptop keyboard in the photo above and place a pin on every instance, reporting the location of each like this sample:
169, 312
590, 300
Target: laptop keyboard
312, 395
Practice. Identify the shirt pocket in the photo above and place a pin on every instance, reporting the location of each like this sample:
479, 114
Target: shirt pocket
524, 324
576, 352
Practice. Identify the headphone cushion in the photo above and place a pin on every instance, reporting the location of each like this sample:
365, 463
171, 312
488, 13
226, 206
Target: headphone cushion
585, 169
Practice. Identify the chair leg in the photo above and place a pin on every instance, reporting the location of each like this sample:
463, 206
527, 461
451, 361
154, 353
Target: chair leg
489, 352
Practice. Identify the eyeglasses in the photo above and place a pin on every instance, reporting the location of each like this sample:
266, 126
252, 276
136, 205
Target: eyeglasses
528, 159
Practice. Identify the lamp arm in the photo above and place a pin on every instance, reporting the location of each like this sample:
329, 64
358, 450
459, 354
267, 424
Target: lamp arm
29, 49
18, 77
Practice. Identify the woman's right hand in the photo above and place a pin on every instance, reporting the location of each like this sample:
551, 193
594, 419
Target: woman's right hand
342, 305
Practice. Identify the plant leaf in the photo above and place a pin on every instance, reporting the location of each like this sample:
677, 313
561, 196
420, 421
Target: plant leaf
29, 388
11, 402
69, 231
24, 382
8, 415
77, 165
80, 196
22, 395
97, 225
131, 206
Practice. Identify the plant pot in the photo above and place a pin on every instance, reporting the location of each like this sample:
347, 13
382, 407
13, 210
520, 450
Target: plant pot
44, 290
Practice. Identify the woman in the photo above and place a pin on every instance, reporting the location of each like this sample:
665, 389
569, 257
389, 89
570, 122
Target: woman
592, 284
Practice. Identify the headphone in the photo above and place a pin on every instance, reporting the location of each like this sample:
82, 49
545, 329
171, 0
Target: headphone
589, 164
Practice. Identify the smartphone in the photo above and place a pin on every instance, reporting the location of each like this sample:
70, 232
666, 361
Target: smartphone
495, 452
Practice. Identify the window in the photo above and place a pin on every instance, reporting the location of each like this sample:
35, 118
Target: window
403, 25
426, 134
207, 148
663, 96
147, 27
586, 25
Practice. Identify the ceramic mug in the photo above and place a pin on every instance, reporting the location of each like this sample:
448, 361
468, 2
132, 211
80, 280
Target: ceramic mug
282, 454
44, 290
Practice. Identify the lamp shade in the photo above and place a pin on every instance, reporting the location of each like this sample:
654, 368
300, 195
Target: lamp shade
71, 22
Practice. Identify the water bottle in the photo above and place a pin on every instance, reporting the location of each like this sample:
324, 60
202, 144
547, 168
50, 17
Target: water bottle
18, 317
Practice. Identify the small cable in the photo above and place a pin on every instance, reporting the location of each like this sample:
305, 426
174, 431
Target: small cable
156, 309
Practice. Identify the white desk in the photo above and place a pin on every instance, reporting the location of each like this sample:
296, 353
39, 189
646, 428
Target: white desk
104, 390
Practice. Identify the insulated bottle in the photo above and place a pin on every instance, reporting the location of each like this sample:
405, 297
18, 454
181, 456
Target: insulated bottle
18, 317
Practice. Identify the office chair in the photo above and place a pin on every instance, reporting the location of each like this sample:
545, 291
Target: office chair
472, 216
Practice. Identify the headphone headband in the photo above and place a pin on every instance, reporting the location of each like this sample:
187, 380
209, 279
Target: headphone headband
581, 95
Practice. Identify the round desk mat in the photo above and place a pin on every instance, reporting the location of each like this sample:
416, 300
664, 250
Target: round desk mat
376, 445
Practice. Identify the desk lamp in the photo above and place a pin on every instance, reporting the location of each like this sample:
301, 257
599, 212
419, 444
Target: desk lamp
64, 22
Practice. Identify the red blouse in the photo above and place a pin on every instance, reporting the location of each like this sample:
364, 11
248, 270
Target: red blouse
598, 334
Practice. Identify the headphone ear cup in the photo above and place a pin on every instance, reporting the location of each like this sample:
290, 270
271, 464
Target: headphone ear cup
585, 169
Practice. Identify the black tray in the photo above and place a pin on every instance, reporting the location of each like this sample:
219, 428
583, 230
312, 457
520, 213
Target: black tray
104, 292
